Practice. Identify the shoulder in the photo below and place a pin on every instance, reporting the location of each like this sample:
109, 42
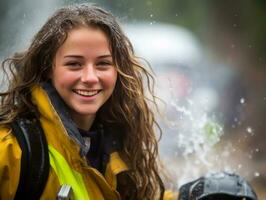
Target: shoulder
10, 155
6, 135
170, 195
5, 132
9, 146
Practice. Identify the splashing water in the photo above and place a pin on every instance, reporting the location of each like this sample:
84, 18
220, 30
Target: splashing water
192, 136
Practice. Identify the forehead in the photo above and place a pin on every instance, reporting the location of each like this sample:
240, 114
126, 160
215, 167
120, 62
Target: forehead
85, 39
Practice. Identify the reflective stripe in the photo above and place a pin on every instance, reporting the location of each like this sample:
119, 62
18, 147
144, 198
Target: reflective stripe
67, 175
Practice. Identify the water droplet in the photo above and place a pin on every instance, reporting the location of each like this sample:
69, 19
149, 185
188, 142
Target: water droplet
256, 174
239, 166
249, 129
242, 100
257, 150
151, 15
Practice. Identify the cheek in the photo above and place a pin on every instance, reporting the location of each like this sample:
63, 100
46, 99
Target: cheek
110, 79
62, 77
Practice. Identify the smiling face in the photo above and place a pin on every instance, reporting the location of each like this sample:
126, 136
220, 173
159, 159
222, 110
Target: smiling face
83, 73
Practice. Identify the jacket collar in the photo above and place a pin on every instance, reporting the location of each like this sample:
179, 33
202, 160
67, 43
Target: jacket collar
52, 107
51, 104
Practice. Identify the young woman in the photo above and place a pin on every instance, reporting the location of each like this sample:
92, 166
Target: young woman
82, 81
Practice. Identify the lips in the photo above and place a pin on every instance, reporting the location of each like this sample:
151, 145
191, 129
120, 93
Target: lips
87, 93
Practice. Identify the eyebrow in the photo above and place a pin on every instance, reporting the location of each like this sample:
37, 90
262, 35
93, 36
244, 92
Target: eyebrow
73, 56
77, 56
105, 56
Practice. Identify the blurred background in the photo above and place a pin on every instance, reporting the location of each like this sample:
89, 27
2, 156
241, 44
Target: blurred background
209, 61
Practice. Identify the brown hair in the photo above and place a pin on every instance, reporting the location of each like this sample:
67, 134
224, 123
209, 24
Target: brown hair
128, 105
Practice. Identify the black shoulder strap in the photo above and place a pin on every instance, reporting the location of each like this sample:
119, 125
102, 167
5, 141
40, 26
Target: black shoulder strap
34, 160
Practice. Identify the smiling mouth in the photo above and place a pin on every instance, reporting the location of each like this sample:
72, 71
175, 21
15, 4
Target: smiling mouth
87, 93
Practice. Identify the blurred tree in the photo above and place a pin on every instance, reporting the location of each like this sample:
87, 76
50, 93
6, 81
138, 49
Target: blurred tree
241, 25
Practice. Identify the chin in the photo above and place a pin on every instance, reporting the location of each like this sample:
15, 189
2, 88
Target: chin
88, 112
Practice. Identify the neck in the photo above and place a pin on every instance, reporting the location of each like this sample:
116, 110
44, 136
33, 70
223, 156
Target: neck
83, 122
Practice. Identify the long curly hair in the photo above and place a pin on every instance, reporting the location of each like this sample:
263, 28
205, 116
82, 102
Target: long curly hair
128, 106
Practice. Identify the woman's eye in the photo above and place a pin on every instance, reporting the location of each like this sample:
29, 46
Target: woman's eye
73, 64
104, 63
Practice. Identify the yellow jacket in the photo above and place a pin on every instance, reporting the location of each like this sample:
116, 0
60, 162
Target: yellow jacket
67, 165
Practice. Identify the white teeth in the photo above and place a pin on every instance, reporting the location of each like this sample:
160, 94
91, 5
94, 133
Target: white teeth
86, 93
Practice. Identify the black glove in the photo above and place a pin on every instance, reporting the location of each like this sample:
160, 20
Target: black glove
217, 186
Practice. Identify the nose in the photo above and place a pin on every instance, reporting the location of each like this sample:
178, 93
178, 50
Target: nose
89, 74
